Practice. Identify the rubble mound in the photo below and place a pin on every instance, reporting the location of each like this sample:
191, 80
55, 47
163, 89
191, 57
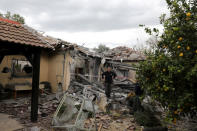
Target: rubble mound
124, 53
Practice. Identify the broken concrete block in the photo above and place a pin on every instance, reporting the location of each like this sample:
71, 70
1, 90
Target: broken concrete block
102, 102
35, 128
89, 107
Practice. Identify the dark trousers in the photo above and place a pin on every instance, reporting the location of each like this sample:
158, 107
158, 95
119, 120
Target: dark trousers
108, 89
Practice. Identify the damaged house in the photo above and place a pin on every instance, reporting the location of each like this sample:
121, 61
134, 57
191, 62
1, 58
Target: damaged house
124, 59
16, 70
30, 61
86, 63
57, 66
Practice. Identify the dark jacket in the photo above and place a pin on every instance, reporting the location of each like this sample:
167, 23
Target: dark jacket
138, 90
109, 76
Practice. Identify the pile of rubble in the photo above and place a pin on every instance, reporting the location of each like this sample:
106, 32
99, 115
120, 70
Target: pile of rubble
86, 107
85, 113
89, 108
124, 53
113, 122
125, 84
120, 88
20, 110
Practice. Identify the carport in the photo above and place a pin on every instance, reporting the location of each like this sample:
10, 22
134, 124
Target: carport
16, 39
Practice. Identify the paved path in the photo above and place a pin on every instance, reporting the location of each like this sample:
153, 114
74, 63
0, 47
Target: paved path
8, 124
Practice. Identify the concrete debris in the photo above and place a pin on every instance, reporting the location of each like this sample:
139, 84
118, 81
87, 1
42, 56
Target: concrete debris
101, 102
110, 122
35, 128
59, 92
124, 53
120, 65
84, 106
124, 84
19, 109
120, 90
74, 110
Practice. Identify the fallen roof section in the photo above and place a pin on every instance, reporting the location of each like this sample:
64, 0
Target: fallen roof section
86, 51
121, 65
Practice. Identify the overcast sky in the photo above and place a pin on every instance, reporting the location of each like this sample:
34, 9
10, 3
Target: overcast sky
90, 22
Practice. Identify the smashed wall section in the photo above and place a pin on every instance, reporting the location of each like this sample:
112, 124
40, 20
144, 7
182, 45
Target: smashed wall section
86, 64
73, 110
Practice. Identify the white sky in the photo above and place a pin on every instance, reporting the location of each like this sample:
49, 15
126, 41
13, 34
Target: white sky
91, 22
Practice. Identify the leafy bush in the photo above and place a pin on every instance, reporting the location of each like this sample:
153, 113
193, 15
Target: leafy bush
147, 119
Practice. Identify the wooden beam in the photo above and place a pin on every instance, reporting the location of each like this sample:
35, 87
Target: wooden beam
29, 58
1, 58
35, 86
121, 65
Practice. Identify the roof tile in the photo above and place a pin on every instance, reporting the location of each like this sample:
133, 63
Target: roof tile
12, 31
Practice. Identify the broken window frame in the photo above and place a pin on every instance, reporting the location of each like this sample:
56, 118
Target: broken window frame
21, 74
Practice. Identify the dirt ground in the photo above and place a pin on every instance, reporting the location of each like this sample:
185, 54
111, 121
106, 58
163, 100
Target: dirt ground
9, 124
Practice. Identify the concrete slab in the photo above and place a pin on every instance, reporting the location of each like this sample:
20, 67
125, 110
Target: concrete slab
8, 124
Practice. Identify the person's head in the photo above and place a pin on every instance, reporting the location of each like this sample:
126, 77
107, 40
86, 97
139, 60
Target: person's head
108, 68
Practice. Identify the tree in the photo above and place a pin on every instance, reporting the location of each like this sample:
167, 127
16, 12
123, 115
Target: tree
152, 43
101, 48
15, 17
169, 74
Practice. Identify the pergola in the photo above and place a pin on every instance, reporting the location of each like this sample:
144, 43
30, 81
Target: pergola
17, 39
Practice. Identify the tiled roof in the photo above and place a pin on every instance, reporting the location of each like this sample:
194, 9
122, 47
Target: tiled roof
15, 32
54, 42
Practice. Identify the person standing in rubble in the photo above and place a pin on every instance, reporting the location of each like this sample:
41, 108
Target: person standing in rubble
108, 77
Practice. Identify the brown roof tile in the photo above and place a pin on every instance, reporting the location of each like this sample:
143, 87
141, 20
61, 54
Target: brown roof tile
12, 31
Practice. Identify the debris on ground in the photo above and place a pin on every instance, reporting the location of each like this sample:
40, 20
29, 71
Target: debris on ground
84, 106
117, 118
114, 122
106, 115
111, 114
20, 109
